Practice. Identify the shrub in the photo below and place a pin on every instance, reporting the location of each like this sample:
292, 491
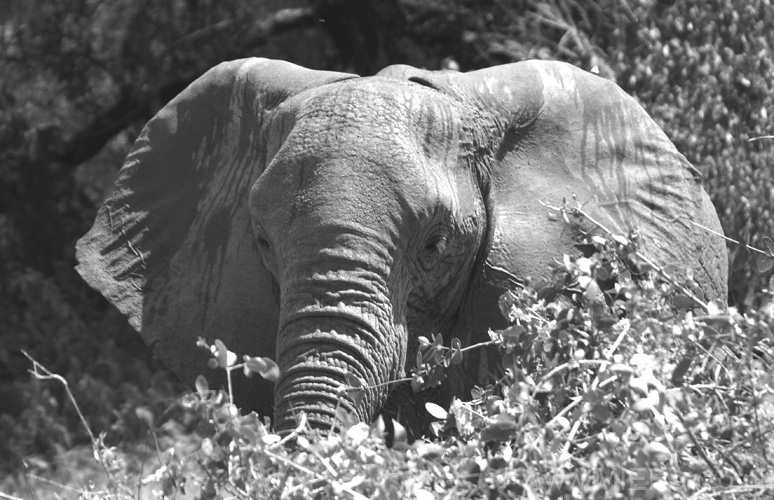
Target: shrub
619, 382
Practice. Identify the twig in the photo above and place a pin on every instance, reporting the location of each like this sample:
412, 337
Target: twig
749, 438
575, 402
699, 447
729, 239
609, 352
476, 346
312, 473
47, 375
37, 368
746, 488
659, 269
295, 432
48, 481
566, 366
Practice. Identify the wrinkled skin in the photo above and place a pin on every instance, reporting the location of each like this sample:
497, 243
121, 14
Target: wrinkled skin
327, 220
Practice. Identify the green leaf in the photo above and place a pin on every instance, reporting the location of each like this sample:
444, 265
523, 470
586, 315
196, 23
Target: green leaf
592, 396
513, 332
671, 269
265, 367
593, 293
715, 307
683, 302
353, 380
602, 412
644, 267
346, 419
456, 356
641, 427
639, 385
358, 396
429, 451
764, 264
769, 245
621, 368
201, 386
146, 415
417, 383
678, 375
642, 405
221, 353
620, 239
456, 351
499, 431
436, 411
656, 450
399, 432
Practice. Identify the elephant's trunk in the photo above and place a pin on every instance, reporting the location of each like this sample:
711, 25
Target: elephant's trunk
319, 345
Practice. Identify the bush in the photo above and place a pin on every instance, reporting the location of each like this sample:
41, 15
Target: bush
704, 71
619, 382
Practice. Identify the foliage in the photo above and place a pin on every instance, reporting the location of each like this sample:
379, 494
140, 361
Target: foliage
619, 382
80, 77
704, 71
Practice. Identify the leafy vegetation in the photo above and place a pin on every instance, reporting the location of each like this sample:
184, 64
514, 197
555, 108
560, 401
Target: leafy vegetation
81, 77
639, 390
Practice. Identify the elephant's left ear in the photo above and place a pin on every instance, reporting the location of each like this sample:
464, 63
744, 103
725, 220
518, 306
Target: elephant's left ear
547, 131
172, 246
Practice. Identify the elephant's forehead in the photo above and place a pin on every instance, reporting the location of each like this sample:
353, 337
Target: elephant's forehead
372, 113
353, 144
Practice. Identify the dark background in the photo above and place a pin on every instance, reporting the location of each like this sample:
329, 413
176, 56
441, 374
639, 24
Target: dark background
79, 78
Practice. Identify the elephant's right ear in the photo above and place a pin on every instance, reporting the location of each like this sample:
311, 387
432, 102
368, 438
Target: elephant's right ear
172, 247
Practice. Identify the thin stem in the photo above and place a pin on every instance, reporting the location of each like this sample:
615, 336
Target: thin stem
230, 388
475, 346
566, 366
95, 442
295, 432
729, 239
609, 352
301, 468
47, 375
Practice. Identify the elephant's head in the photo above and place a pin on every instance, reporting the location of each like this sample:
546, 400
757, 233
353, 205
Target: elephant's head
328, 220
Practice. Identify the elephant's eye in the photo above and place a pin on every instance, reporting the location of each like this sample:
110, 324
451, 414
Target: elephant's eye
263, 243
435, 247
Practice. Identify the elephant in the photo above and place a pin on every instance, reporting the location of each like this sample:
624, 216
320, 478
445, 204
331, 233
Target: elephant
328, 220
